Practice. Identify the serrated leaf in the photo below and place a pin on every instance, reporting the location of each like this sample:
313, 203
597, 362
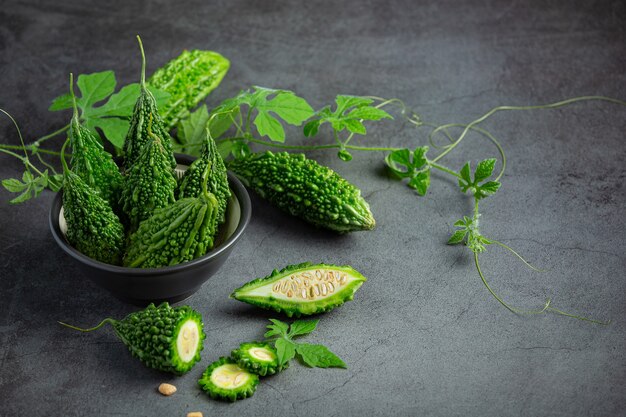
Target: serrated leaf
13, 185
344, 102
369, 113
291, 108
192, 130
55, 182
344, 155
397, 160
302, 327
122, 103
484, 169
354, 126
285, 350
311, 128
114, 129
457, 237
318, 356
420, 182
419, 157
62, 102
26, 195
282, 327
268, 126
219, 123
95, 87
487, 189
465, 173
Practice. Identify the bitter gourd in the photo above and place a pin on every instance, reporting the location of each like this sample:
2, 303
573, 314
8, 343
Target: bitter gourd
188, 79
164, 338
302, 289
145, 123
258, 358
305, 189
174, 234
150, 183
90, 161
92, 227
225, 380
191, 183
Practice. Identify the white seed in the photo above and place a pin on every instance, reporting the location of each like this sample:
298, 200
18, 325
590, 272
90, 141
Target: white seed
331, 287
284, 287
238, 378
289, 294
311, 293
167, 389
324, 290
307, 275
276, 287
318, 274
306, 283
331, 275
298, 281
294, 287
343, 279
317, 290
303, 293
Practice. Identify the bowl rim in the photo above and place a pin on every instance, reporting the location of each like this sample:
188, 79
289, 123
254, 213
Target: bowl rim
236, 186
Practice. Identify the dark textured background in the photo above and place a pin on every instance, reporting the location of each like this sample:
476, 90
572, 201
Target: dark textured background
423, 336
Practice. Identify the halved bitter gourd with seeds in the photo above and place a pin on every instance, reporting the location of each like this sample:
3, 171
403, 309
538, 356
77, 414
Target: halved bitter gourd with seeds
302, 289
258, 358
225, 380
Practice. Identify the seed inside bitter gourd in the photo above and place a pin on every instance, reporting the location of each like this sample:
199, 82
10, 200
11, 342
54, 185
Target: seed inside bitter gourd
308, 285
229, 376
187, 341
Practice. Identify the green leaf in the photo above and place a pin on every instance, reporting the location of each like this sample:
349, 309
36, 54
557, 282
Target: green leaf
344, 155
114, 128
278, 328
95, 87
466, 173
26, 195
318, 356
457, 237
484, 170
219, 123
192, 130
311, 128
291, 108
268, 126
354, 126
55, 182
420, 182
122, 103
399, 159
285, 350
302, 327
344, 102
419, 156
14, 185
61, 103
369, 113
487, 189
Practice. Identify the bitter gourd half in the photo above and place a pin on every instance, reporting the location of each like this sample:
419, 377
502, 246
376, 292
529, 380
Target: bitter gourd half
258, 358
225, 380
305, 189
188, 79
302, 289
191, 183
92, 227
164, 338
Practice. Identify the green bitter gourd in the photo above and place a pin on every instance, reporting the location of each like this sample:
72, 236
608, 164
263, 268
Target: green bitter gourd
302, 289
145, 123
191, 183
258, 358
92, 227
305, 189
188, 79
164, 338
90, 161
177, 233
225, 380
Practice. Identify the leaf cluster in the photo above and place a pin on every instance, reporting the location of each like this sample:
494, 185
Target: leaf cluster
414, 165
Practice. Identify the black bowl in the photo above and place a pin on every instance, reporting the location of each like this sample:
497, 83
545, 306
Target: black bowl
142, 286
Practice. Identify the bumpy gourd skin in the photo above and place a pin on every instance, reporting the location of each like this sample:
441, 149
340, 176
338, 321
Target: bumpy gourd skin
303, 289
225, 393
92, 227
174, 234
92, 163
251, 362
305, 189
149, 184
191, 183
188, 79
151, 336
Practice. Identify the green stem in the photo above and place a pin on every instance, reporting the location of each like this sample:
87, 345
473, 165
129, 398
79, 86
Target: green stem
25, 160
517, 254
444, 169
537, 107
143, 64
102, 323
50, 135
563, 313
32, 149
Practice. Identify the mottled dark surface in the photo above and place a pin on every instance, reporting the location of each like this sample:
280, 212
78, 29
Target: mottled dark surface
423, 336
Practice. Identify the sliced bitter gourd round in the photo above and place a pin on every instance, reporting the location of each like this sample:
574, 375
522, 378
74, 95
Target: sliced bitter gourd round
258, 358
225, 380
302, 289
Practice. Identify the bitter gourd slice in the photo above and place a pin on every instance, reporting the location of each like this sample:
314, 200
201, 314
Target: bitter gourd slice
302, 289
150, 183
174, 234
145, 123
305, 189
191, 183
258, 358
188, 79
225, 380
164, 338
92, 227
90, 161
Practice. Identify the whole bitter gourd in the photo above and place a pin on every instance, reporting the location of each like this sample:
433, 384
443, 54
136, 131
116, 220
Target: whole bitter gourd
92, 227
305, 189
150, 183
90, 161
188, 79
144, 123
258, 358
178, 233
191, 183
164, 338
302, 289
227, 381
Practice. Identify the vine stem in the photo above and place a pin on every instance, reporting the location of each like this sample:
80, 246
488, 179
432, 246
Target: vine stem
30, 148
102, 323
506, 108
25, 160
42, 139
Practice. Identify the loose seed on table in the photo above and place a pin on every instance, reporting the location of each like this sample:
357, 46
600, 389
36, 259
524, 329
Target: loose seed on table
167, 389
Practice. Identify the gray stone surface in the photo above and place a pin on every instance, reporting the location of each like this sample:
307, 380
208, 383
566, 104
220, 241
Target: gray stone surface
423, 336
